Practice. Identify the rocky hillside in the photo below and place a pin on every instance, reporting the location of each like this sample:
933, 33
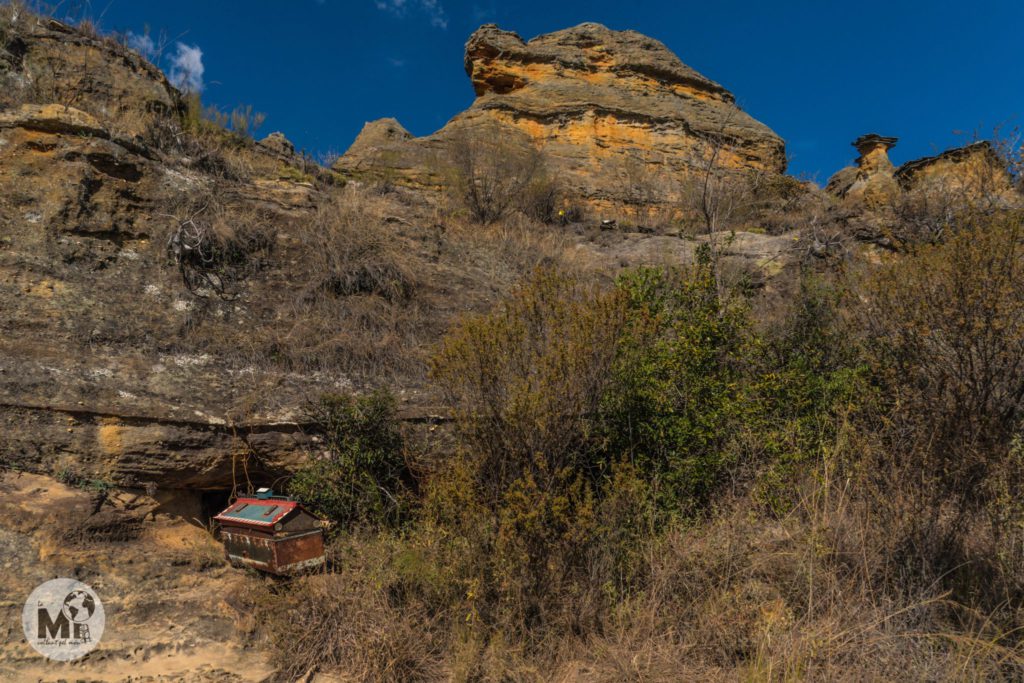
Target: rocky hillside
175, 293
127, 356
602, 105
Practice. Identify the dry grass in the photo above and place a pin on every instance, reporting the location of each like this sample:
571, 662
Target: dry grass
504, 252
349, 253
334, 289
346, 622
740, 598
363, 284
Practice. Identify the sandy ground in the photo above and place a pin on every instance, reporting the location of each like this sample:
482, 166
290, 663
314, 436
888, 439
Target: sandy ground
164, 586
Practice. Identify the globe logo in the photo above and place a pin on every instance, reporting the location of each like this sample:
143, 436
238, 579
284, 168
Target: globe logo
78, 606
63, 619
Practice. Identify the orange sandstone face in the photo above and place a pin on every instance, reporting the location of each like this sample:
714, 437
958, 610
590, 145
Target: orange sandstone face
603, 137
611, 111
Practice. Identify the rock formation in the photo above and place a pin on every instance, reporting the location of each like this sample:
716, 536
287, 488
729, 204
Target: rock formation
973, 170
595, 101
277, 143
962, 174
89, 380
84, 222
48, 61
377, 136
871, 180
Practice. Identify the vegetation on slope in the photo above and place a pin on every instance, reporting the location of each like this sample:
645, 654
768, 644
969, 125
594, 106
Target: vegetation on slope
657, 475
650, 485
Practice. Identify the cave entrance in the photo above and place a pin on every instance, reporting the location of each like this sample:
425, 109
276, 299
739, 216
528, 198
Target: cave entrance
197, 506
211, 502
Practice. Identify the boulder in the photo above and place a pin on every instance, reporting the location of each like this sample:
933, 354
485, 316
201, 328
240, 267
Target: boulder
277, 143
973, 171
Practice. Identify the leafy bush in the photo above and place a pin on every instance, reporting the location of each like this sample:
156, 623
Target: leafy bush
526, 382
566, 398
677, 392
361, 477
809, 382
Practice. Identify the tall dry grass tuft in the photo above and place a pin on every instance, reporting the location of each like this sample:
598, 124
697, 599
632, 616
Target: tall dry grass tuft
792, 598
347, 621
347, 251
944, 339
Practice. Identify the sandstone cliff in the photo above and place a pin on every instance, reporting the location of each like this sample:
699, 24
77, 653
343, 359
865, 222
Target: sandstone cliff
596, 102
98, 374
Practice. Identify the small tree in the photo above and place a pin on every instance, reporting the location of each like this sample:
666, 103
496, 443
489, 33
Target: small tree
714, 191
945, 338
492, 170
361, 475
717, 195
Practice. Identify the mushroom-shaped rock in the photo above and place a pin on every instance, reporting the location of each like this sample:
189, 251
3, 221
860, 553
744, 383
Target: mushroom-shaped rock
871, 181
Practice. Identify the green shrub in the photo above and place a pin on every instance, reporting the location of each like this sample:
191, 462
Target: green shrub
361, 477
809, 380
677, 392
587, 414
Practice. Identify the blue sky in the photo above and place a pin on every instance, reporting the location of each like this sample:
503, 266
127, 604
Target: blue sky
819, 73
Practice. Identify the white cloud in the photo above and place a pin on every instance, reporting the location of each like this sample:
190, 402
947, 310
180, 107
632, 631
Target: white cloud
142, 44
186, 70
433, 10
